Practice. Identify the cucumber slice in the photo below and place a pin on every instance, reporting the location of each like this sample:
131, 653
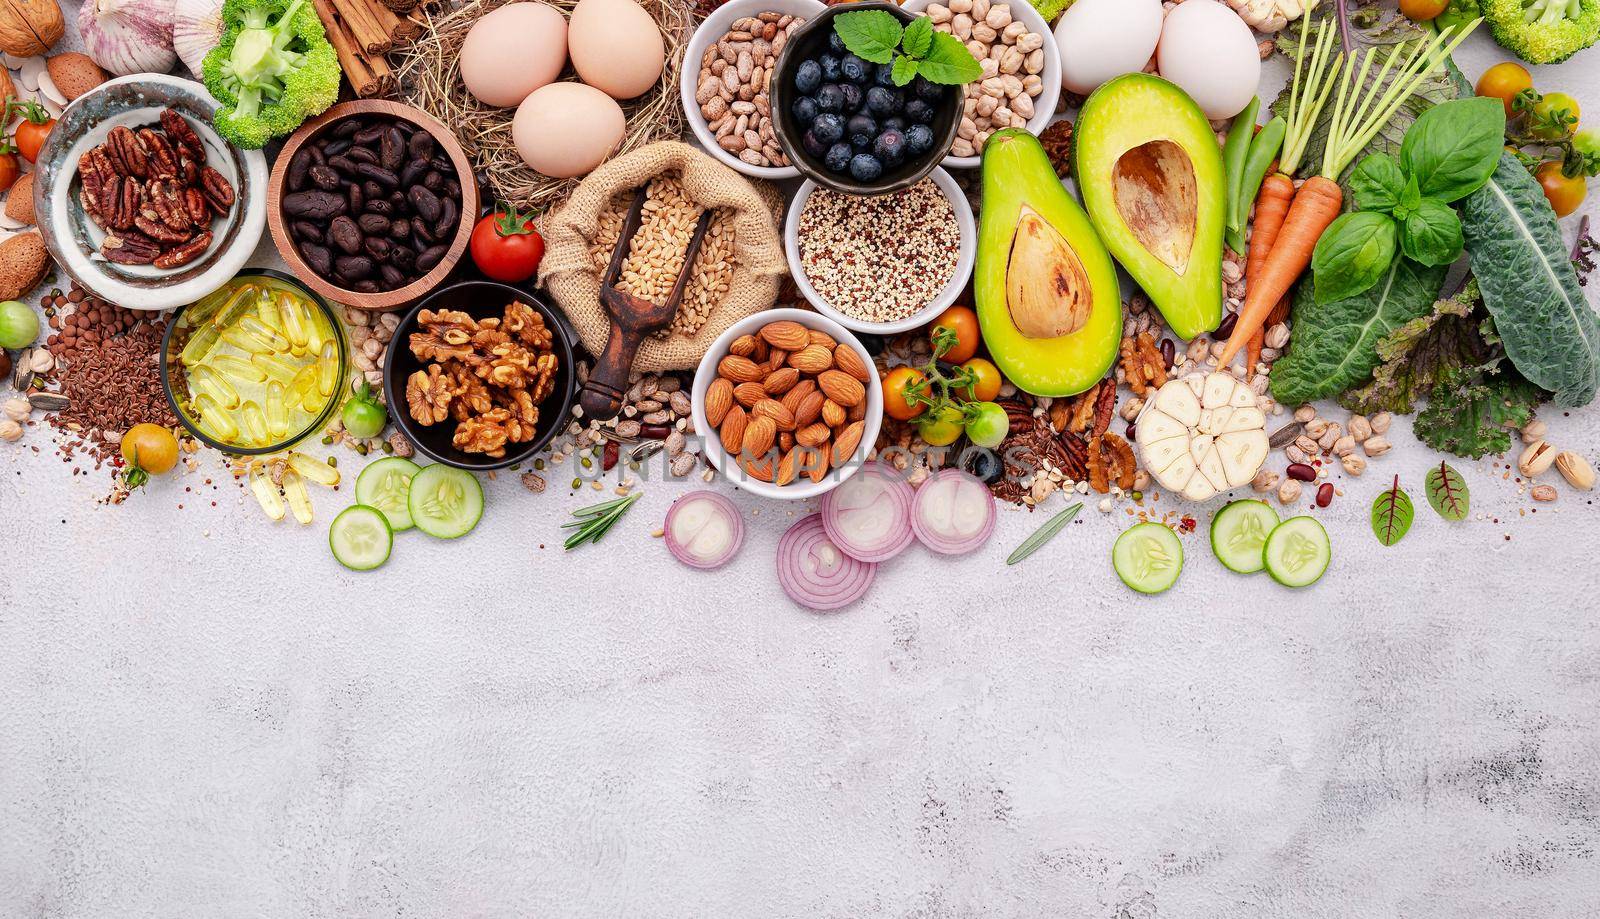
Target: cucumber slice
1237, 534
1148, 557
385, 485
1297, 552
360, 538
445, 502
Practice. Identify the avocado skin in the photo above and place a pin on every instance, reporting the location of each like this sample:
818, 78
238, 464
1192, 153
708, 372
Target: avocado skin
1016, 172
1124, 114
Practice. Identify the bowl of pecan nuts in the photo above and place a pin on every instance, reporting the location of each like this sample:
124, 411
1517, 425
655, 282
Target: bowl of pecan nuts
481, 375
140, 201
789, 403
372, 203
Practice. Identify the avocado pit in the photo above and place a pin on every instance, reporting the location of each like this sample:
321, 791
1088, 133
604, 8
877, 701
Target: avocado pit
1047, 290
1155, 190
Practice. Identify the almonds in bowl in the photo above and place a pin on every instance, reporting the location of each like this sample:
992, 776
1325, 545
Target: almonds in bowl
788, 402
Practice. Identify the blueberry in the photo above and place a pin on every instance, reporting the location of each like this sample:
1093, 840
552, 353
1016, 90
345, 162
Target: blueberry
838, 158
919, 139
861, 130
881, 101
829, 127
855, 69
852, 97
884, 76
805, 110
835, 43
830, 98
807, 77
864, 167
919, 111
895, 123
813, 146
983, 464
830, 68
890, 147
926, 91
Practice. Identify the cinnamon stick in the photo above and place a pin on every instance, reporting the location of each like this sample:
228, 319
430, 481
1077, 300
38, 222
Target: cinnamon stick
364, 26
401, 30
367, 76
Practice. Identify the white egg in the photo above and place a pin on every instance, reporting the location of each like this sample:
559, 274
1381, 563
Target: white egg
1101, 39
513, 51
1209, 51
567, 129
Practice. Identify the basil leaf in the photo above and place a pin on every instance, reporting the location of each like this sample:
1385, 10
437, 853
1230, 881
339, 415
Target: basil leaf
1353, 254
1453, 148
905, 70
918, 38
869, 34
1377, 183
948, 62
1392, 514
1432, 235
1447, 492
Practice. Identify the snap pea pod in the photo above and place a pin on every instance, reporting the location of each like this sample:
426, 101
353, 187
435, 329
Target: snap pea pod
1263, 150
1234, 152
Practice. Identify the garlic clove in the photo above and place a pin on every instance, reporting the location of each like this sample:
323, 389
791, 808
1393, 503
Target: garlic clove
1242, 453
1160, 456
1243, 396
1156, 425
1179, 472
1199, 488
1211, 467
1198, 445
1247, 418
1218, 390
1181, 403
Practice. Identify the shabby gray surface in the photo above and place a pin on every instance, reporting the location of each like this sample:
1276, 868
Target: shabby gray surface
202, 715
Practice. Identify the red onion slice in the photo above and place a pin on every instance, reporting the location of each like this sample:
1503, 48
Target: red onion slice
703, 530
953, 513
814, 573
869, 516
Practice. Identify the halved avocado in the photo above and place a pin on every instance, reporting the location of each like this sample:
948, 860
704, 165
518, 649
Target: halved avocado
1152, 178
1046, 289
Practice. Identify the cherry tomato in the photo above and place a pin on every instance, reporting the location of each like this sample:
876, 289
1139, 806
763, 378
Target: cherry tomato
364, 416
35, 127
989, 426
1423, 10
1554, 117
943, 428
963, 322
1563, 193
987, 384
149, 449
1504, 82
506, 247
895, 382
9, 169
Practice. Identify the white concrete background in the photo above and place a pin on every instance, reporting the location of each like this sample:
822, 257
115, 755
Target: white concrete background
202, 715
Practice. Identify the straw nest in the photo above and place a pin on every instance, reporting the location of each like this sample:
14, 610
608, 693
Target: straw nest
430, 79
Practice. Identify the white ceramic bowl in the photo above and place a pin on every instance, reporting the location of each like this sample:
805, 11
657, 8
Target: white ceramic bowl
74, 240
967, 254
713, 28
1044, 105
801, 487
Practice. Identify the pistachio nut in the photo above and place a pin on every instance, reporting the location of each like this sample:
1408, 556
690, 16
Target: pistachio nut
1536, 459
1576, 470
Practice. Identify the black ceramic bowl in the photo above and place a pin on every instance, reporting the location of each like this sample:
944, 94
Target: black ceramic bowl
480, 300
807, 42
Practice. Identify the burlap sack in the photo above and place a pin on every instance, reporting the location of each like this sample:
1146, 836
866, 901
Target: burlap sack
569, 274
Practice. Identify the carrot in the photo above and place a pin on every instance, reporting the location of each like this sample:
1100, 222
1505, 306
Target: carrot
1272, 205
1315, 207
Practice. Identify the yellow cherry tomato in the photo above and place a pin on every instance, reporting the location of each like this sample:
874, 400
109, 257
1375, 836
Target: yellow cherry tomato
1564, 194
1555, 116
943, 428
895, 383
1423, 10
962, 321
1505, 82
151, 447
987, 385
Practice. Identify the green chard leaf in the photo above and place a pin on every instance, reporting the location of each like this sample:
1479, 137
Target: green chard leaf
1432, 235
1472, 411
949, 62
1392, 514
1454, 146
1418, 353
1334, 346
1447, 492
1354, 252
1530, 286
1377, 182
869, 34
918, 38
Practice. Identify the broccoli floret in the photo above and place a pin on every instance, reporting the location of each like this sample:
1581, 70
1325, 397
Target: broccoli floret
1543, 31
272, 69
1050, 9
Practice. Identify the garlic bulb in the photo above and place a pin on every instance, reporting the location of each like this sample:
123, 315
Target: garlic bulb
128, 36
196, 29
1202, 435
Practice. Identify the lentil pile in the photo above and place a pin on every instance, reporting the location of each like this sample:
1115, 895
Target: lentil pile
850, 247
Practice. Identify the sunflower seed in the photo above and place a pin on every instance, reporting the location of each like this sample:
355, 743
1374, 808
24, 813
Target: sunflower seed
1286, 435
49, 401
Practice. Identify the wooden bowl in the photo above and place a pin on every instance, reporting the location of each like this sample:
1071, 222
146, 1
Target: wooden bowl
389, 299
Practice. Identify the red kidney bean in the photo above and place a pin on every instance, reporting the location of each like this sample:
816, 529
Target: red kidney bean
654, 431
1169, 352
1325, 494
1131, 435
1302, 472
1225, 328
608, 456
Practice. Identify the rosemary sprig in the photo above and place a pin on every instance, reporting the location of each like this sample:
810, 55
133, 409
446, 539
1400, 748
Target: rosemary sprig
589, 524
1044, 534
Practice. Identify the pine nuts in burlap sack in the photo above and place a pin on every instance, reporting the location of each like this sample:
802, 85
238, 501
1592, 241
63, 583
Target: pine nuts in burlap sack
575, 233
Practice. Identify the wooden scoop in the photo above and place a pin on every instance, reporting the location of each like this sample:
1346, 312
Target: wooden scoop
631, 318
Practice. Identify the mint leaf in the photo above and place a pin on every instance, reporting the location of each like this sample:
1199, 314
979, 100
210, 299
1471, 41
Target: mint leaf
918, 38
949, 62
871, 35
905, 70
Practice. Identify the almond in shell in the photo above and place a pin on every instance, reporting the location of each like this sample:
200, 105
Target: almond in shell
841, 387
846, 359
844, 446
732, 430
811, 359
719, 398
786, 334
740, 369
19, 206
74, 73
24, 262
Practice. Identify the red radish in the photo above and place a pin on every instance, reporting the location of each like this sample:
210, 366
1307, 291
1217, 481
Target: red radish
814, 573
703, 530
869, 516
953, 513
